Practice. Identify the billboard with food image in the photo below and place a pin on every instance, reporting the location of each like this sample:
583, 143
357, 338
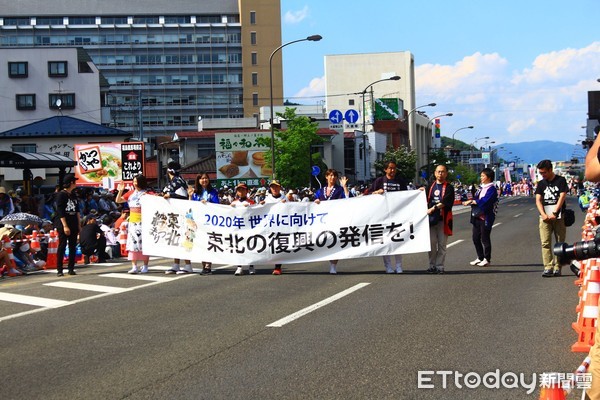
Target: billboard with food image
106, 164
241, 159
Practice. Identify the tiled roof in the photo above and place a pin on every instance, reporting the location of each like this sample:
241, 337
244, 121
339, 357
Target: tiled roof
61, 126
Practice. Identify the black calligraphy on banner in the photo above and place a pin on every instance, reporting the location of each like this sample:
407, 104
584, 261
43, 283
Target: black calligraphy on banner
89, 159
132, 160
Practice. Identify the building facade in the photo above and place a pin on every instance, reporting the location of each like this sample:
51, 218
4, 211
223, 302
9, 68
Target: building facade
43, 83
167, 63
348, 87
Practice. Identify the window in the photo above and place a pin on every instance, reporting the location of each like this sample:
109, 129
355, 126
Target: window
26, 102
67, 101
48, 21
351, 102
254, 58
16, 21
252, 37
254, 79
145, 20
17, 69
255, 99
57, 68
24, 148
113, 20
252, 17
82, 20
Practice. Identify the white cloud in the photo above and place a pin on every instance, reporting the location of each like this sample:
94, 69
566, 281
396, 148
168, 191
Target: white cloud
548, 99
316, 87
295, 17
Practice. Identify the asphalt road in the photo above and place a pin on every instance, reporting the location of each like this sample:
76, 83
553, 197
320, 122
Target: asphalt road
208, 337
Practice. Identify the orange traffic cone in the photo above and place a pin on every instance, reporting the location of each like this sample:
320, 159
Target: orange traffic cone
12, 268
123, 238
35, 242
52, 257
587, 310
552, 391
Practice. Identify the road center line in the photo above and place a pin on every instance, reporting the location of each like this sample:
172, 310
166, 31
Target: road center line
316, 306
517, 215
453, 243
496, 224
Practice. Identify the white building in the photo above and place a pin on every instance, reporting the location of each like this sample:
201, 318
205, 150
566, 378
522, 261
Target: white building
40, 83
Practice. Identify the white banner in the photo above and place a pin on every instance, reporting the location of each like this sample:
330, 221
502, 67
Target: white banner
286, 233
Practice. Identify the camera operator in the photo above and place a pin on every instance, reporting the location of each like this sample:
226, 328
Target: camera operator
590, 249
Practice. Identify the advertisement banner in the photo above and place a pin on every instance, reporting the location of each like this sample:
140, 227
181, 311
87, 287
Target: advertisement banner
296, 232
241, 159
106, 164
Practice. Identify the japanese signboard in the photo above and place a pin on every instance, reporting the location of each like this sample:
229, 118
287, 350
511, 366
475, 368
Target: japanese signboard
240, 158
106, 164
295, 232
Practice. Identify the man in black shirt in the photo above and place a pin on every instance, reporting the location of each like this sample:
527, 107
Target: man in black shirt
550, 197
67, 223
389, 183
92, 240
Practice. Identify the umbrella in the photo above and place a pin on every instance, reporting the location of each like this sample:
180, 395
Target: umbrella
21, 219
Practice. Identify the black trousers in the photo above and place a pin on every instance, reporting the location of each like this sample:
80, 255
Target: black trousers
99, 249
63, 240
481, 240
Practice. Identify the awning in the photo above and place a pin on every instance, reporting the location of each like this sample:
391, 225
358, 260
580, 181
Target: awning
19, 160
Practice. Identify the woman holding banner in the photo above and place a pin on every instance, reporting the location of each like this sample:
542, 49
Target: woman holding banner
134, 226
333, 191
204, 192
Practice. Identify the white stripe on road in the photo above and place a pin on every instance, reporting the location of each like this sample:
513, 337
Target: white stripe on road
85, 286
496, 224
142, 277
316, 306
453, 243
518, 215
32, 301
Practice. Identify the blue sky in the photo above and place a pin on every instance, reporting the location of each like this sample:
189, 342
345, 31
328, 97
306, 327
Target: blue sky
517, 70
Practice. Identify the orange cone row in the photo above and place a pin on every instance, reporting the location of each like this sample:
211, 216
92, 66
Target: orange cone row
52, 258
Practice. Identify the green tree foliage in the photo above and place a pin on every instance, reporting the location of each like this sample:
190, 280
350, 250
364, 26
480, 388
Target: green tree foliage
467, 175
294, 159
405, 160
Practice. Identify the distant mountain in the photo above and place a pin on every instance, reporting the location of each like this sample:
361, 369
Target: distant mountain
533, 152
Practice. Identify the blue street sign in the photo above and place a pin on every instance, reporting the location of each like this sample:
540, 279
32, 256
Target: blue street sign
351, 116
316, 170
336, 117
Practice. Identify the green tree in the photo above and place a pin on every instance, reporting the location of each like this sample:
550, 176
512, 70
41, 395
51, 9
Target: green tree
294, 157
405, 160
467, 175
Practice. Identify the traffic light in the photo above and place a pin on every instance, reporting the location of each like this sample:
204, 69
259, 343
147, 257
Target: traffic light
437, 127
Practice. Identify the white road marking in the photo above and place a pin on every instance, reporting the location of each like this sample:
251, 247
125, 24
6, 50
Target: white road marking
496, 224
85, 286
140, 277
517, 215
453, 243
316, 306
32, 300
48, 304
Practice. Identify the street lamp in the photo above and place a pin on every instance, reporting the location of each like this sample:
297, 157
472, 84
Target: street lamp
312, 38
364, 121
459, 129
416, 108
431, 119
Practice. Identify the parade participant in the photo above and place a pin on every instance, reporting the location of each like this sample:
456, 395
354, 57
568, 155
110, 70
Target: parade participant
242, 200
67, 222
275, 196
550, 199
134, 225
483, 214
205, 193
6, 204
389, 183
176, 188
92, 240
440, 199
333, 191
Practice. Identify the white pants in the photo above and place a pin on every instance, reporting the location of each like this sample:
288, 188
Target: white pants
387, 261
